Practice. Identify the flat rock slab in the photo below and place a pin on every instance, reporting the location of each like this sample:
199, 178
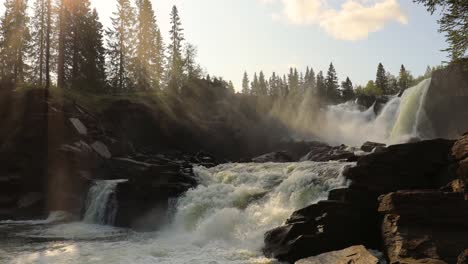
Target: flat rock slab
78, 125
354, 254
101, 149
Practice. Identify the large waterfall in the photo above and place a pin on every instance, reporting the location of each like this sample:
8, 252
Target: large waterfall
222, 221
398, 121
101, 205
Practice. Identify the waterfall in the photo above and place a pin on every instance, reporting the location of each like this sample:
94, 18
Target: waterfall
411, 113
400, 119
101, 204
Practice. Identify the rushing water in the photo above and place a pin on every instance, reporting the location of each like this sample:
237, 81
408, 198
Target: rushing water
101, 205
398, 121
221, 221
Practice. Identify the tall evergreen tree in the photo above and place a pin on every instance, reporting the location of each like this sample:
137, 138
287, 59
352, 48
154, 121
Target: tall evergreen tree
41, 38
149, 49
81, 61
191, 69
245, 84
348, 91
404, 79
14, 41
262, 84
255, 85
381, 81
38, 40
175, 50
121, 47
321, 86
331, 83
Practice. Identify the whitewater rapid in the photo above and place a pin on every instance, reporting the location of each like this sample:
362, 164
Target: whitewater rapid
223, 220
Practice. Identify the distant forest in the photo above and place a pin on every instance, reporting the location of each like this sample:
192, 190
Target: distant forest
63, 44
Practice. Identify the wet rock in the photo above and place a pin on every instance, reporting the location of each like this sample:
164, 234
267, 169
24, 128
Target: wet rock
319, 228
460, 148
324, 152
424, 226
78, 125
420, 165
281, 156
370, 146
101, 149
354, 254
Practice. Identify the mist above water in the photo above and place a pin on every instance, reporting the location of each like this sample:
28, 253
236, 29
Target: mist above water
347, 123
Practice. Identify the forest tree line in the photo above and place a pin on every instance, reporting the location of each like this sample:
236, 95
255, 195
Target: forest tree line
327, 87
63, 43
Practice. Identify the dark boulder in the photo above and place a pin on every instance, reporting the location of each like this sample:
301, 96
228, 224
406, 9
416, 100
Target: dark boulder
323, 152
424, 226
370, 146
446, 102
281, 156
319, 228
420, 165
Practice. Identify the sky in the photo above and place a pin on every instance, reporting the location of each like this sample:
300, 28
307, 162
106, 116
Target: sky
233, 36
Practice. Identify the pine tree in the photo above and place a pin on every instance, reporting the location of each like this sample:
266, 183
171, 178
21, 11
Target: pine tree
275, 85
311, 81
41, 37
175, 51
149, 49
191, 69
81, 61
381, 81
14, 41
331, 83
121, 47
38, 39
403, 79
348, 91
245, 84
231, 88
321, 86
255, 85
262, 84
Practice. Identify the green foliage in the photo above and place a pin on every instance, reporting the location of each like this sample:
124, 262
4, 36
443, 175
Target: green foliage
175, 51
245, 84
381, 79
348, 90
331, 84
370, 89
454, 23
14, 41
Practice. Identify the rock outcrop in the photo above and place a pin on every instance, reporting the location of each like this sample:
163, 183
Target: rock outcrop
354, 254
350, 216
424, 226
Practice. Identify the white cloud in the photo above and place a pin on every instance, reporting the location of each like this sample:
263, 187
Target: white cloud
354, 20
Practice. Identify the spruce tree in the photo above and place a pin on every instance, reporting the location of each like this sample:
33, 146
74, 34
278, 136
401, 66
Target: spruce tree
81, 60
331, 83
262, 84
175, 51
149, 49
191, 69
14, 41
121, 47
403, 79
381, 81
255, 86
245, 84
38, 39
321, 86
348, 91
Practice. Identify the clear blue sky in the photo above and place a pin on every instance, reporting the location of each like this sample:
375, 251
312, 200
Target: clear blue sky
272, 35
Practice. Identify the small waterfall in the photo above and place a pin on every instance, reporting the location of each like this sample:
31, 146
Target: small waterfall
101, 204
